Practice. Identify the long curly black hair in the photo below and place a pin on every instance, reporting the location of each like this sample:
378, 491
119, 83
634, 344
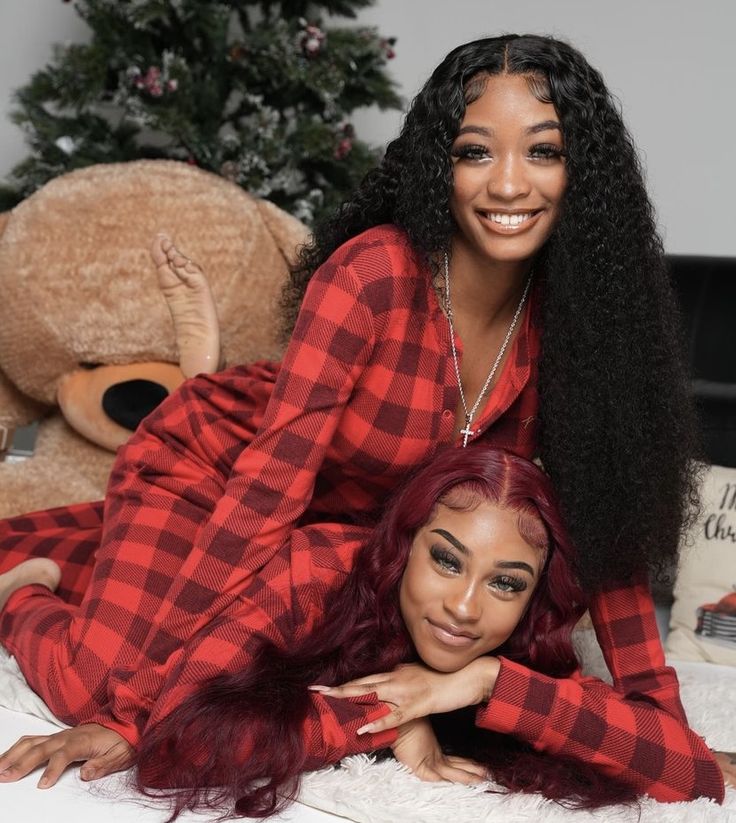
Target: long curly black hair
618, 430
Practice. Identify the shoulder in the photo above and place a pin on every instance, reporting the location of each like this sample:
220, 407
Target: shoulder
381, 251
380, 267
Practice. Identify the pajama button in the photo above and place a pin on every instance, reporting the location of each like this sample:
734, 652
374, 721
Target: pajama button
447, 414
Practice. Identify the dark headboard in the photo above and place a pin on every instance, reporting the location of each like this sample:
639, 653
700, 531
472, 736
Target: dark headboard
706, 287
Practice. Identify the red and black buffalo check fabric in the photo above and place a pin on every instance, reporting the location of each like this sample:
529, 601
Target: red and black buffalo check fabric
238, 504
636, 731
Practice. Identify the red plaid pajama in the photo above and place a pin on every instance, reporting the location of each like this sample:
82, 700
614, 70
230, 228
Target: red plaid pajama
73, 649
69, 535
199, 548
366, 391
635, 731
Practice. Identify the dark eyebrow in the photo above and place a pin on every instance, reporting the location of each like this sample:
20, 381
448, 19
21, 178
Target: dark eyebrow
545, 125
501, 564
452, 539
515, 564
475, 130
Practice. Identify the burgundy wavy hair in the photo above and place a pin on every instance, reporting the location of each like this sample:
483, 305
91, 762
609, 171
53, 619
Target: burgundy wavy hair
195, 748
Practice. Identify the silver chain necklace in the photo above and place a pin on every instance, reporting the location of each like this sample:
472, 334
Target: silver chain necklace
466, 431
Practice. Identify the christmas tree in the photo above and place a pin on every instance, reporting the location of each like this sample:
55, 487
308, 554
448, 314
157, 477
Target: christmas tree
258, 92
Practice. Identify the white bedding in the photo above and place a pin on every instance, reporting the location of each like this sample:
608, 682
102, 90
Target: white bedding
361, 790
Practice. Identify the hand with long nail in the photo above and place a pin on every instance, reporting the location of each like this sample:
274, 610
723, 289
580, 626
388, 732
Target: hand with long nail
413, 691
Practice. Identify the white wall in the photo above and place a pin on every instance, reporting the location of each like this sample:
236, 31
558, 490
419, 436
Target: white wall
672, 63
28, 29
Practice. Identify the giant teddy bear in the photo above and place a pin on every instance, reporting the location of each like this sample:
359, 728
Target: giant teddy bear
82, 318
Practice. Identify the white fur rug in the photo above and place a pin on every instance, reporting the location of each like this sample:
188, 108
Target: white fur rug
384, 792
368, 792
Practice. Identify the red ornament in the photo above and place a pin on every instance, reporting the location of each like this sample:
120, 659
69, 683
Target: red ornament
311, 40
343, 148
152, 81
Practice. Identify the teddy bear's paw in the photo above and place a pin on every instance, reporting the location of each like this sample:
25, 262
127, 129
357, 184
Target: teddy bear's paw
189, 298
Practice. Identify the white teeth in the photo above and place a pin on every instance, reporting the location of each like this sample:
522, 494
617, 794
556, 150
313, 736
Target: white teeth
508, 219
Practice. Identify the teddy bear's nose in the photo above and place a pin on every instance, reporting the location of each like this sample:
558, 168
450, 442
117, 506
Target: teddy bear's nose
127, 403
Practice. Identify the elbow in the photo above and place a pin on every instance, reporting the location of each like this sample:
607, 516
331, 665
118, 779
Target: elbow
706, 780
709, 780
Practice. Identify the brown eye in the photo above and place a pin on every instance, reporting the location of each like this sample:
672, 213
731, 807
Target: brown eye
470, 151
546, 151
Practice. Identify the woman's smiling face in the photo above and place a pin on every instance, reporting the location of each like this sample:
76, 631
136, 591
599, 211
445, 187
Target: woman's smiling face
509, 174
467, 583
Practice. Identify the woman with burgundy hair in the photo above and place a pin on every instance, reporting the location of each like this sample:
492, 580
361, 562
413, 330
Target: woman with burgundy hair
467, 579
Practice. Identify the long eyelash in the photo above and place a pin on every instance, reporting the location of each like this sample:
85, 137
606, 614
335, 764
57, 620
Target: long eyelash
515, 584
548, 150
444, 558
472, 151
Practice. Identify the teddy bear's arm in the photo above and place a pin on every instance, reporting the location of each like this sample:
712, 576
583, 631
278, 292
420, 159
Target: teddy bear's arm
16, 408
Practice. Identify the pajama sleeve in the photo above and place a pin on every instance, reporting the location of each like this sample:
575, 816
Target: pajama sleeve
635, 730
281, 607
328, 733
330, 729
269, 487
628, 737
626, 627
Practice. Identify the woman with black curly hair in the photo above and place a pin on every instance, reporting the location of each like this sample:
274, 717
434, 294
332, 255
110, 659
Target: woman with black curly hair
497, 279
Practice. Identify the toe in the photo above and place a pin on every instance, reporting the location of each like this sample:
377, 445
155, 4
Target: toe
159, 247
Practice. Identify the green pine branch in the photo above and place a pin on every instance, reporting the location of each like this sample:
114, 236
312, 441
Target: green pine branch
259, 92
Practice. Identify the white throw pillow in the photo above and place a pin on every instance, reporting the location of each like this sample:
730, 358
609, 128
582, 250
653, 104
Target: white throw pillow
703, 618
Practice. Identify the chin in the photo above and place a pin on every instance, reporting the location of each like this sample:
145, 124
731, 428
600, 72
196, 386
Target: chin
513, 253
446, 664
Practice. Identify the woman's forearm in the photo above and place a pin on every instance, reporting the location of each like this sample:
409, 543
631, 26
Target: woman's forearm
584, 718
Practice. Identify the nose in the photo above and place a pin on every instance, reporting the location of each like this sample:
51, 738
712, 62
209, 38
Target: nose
509, 177
462, 603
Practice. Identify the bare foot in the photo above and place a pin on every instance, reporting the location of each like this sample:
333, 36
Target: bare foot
192, 308
38, 570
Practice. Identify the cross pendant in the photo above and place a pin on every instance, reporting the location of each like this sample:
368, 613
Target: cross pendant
467, 431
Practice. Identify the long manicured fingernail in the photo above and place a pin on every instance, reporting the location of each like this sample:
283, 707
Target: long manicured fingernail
365, 729
318, 688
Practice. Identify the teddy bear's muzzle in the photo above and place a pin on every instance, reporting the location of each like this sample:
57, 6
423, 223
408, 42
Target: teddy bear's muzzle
106, 403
